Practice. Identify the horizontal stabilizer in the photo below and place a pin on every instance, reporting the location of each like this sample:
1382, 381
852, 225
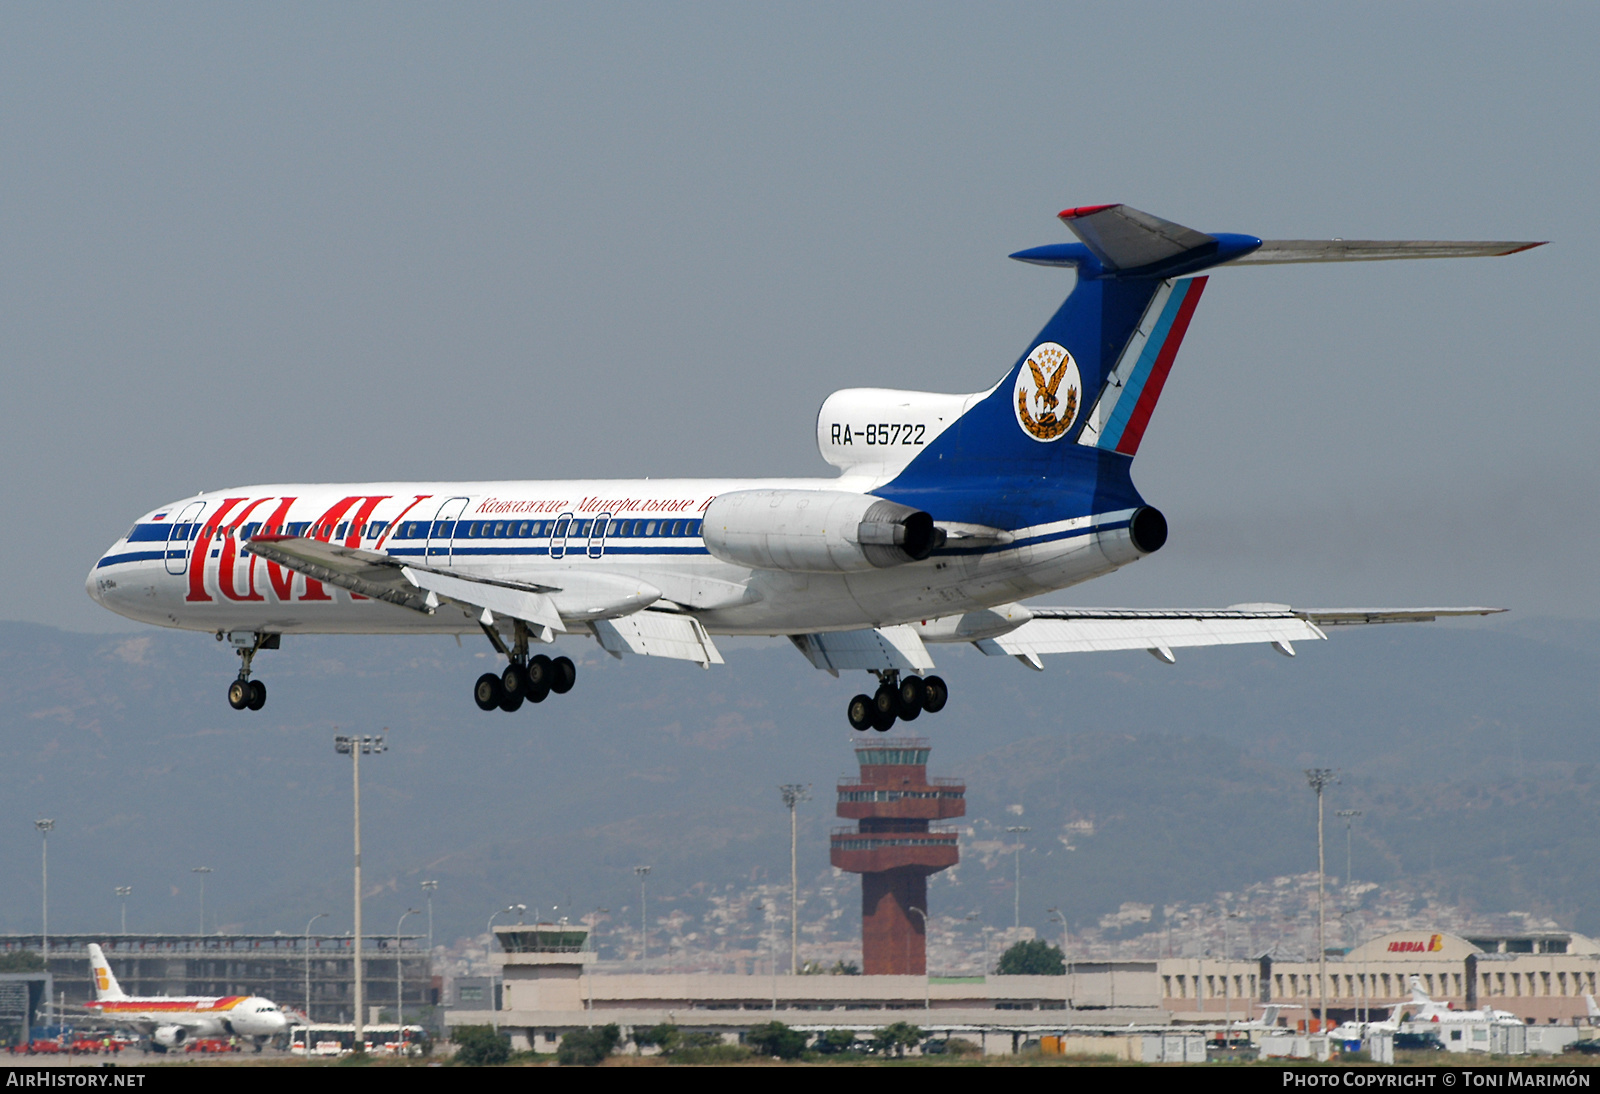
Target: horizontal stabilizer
1124, 238
874, 650
1274, 252
658, 634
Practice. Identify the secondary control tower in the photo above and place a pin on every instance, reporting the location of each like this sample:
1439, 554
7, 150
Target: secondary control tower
894, 849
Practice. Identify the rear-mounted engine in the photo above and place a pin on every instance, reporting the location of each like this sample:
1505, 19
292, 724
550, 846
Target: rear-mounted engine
816, 531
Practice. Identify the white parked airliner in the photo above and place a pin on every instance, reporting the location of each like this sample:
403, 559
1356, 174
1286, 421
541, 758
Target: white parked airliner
948, 511
169, 1021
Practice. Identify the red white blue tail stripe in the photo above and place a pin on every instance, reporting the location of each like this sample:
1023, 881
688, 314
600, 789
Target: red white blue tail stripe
1118, 418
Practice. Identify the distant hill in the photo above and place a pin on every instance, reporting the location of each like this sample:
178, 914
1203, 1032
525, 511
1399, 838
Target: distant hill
1471, 750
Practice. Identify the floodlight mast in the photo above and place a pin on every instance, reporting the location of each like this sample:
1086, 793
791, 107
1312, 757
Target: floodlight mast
642, 872
354, 746
793, 795
1016, 890
1349, 816
1318, 778
44, 824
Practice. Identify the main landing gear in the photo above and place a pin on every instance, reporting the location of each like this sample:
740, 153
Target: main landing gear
526, 678
897, 699
245, 693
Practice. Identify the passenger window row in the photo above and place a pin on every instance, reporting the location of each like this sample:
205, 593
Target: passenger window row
539, 529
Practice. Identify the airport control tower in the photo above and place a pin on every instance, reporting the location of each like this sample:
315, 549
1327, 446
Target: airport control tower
894, 850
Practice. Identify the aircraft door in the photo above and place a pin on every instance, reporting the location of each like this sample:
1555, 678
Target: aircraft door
180, 534
597, 537
442, 531
558, 535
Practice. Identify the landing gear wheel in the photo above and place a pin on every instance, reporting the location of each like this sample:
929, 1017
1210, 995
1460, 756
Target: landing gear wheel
510, 700
513, 678
540, 672
861, 713
885, 702
935, 694
488, 692
258, 695
566, 674
912, 692
239, 694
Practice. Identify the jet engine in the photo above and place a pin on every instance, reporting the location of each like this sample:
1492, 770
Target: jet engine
170, 1036
816, 531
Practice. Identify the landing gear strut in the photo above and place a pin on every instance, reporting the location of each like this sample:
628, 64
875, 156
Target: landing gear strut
896, 699
525, 678
245, 693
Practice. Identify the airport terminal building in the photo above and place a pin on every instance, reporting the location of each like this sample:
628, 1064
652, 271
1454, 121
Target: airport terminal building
549, 984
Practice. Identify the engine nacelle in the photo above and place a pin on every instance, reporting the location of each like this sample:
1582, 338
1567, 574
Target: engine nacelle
816, 531
170, 1036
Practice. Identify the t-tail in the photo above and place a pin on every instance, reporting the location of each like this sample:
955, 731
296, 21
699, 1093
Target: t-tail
1056, 437
106, 988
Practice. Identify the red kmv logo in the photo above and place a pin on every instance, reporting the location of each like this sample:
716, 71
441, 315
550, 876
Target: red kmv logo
238, 580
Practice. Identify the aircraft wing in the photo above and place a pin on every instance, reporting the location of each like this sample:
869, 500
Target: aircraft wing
1085, 630
421, 588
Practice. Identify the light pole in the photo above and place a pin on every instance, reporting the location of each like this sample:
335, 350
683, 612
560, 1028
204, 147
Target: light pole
313, 919
927, 991
428, 889
44, 824
1016, 893
793, 795
642, 872
202, 871
123, 893
1318, 778
1349, 816
354, 747
400, 978
1060, 917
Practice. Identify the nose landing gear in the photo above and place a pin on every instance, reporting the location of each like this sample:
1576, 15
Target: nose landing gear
530, 679
896, 699
245, 693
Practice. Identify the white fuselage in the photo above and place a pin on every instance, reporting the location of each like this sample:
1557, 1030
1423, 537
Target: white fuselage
199, 1016
183, 565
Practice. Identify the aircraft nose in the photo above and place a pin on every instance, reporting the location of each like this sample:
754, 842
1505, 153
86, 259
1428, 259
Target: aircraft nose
91, 585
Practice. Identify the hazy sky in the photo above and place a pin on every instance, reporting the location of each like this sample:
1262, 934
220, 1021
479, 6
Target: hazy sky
255, 243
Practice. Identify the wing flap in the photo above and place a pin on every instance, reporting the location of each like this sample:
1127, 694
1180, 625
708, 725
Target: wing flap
884, 648
1345, 617
526, 602
658, 634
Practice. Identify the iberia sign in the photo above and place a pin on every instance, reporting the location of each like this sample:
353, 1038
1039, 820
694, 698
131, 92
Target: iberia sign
1434, 944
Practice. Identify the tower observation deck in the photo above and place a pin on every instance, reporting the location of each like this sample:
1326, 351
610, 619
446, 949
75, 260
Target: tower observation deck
894, 849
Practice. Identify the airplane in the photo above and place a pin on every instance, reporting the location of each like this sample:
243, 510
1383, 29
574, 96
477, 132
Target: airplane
947, 511
169, 1021
1430, 1011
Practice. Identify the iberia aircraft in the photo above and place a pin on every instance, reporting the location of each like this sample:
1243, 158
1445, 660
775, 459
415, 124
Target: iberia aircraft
947, 511
169, 1021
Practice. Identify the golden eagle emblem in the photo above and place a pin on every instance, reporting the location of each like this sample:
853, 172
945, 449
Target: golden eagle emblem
1047, 392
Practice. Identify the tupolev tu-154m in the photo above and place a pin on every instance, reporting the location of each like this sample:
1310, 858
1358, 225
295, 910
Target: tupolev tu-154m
948, 510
